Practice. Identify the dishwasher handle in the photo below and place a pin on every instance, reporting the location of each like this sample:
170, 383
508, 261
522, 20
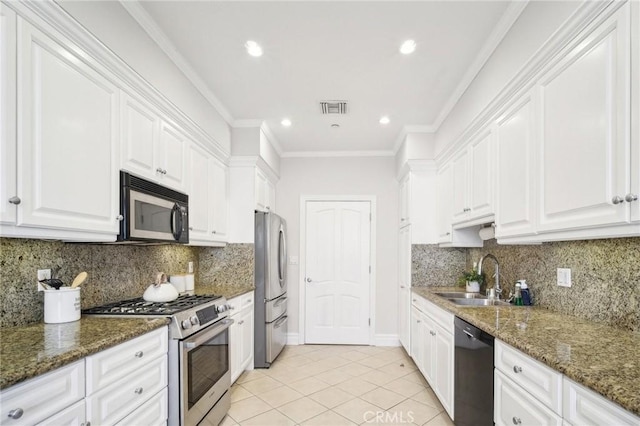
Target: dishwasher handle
473, 332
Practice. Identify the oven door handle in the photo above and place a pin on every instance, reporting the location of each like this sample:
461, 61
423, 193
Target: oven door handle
200, 339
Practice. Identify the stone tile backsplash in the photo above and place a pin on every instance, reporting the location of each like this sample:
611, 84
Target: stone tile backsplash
432, 266
605, 276
226, 270
116, 272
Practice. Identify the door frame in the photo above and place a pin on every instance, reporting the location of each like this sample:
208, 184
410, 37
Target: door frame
303, 258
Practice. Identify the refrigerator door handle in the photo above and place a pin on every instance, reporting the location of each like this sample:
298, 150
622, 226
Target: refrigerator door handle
282, 256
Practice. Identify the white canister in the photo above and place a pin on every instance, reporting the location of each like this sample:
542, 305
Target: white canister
62, 305
189, 283
179, 282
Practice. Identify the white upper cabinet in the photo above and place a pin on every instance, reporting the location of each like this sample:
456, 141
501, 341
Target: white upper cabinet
444, 185
8, 183
635, 109
265, 192
139, 137
584, 173
481, 176
170, 156
68, 139
460, 190
207, 191
515, 181
405, 201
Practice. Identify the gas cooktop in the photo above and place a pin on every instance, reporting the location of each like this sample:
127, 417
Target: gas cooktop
140, 306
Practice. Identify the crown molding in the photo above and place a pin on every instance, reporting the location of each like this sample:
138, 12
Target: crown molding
411, 128
247, 123
525, 78
147, 23
334, 154
507, 20
271, 137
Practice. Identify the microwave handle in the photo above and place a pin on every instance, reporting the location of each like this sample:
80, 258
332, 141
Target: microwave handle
176, 222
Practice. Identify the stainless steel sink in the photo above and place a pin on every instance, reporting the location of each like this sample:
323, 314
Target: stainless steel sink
478, 302
461, 295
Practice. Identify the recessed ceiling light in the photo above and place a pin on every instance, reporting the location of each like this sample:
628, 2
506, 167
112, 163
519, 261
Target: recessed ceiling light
253, 48
384, 120
286, 122
408, 47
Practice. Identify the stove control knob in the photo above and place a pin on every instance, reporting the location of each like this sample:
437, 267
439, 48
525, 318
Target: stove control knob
186, 324
222, 308
194, 320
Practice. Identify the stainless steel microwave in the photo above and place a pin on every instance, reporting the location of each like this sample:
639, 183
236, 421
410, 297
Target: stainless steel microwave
151, 212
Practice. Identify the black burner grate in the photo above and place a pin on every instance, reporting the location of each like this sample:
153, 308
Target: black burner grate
140, 306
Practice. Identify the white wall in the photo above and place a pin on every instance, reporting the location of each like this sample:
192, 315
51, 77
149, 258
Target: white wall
345, 176
112, 25
538, 21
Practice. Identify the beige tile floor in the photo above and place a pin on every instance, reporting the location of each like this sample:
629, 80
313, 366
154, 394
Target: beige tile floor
330, 385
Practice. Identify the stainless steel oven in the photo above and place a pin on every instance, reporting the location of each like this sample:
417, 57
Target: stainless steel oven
204, 375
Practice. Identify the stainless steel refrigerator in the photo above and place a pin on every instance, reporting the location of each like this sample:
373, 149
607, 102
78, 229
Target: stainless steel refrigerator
271, 288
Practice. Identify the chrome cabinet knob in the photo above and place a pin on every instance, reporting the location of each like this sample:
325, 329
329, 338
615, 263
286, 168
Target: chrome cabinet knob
516, 420
517, 369
213, 232
630, 197
138, 391
309, 280
159, 170
139, 354
119, 218
617, 200
16, 413
15, 200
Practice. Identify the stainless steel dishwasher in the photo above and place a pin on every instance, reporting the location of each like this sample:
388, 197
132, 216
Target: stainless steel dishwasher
473, 382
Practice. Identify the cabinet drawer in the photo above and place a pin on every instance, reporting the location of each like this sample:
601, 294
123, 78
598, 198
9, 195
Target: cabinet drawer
43, 396
70, 416
583, 406
514, 406
241, 302
441, 317
125, 359
112, 404
419, 302
539, 380
154, 412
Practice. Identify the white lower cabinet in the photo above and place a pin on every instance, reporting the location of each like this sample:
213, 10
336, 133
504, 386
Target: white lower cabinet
74, 415
154, 412
527, 392
582, 406
241, 335
432, 348
515, 406
38, 399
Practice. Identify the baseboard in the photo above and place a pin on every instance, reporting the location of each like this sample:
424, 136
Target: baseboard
293, 339
386, 340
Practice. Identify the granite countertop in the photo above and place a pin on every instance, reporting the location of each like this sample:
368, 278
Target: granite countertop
35, 349
603, 358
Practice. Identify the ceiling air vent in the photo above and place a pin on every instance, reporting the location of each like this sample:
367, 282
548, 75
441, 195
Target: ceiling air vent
333, 107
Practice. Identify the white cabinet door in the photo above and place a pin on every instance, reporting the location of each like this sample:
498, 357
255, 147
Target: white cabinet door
220, 198
405, 201
584, 143
152, 413
460, 189
514, 406
261, 191
635, 112
68, 162
515, 142
8, 145
481, 182
235, 350
171, 156
200, 193
245, 320
444, 203
270, 192
582, 406
444, 366
417, 339
74, 415
139, 137
404, 290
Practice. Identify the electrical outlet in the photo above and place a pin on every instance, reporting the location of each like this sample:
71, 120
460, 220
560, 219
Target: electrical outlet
43, 274
190, 268
564, 277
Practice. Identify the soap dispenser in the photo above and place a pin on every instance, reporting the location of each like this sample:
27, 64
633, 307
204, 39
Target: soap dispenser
526, 295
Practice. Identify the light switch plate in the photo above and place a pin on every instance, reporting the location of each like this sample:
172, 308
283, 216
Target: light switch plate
43, 274
564, 277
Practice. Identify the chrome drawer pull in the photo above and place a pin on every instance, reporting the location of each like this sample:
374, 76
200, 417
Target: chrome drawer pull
517, 369
516, 421
138, 391
16, 414
139, 354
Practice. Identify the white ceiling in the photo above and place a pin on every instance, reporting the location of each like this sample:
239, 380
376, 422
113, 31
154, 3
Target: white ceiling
328, 50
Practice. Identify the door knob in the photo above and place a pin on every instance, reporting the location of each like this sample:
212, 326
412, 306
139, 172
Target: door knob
309, 280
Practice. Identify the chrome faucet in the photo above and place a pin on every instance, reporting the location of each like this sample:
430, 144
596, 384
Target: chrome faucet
496, 286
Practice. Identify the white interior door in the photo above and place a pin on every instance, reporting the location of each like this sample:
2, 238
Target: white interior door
337, 265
